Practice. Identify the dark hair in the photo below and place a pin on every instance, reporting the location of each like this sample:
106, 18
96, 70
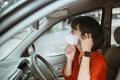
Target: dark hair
90, 25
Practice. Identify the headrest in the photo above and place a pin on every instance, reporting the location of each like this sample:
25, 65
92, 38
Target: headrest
117, 35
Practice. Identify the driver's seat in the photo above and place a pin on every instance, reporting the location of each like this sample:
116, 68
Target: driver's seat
113, 58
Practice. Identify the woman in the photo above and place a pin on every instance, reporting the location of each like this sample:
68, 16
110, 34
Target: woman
84, 62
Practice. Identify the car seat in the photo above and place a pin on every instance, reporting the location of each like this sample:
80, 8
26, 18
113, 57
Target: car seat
113, 58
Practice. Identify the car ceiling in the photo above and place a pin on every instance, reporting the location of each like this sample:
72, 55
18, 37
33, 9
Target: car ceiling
79, 7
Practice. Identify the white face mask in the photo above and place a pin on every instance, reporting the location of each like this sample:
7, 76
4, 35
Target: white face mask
71, 39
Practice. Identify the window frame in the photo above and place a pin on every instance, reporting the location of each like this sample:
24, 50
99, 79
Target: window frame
111, 28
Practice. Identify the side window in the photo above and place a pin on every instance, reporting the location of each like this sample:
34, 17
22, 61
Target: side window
115, 23
53, 41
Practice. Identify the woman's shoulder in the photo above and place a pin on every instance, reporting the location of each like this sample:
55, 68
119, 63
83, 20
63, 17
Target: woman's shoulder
97, 55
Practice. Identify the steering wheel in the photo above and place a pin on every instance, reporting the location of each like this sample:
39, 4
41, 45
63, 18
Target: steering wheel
39, 73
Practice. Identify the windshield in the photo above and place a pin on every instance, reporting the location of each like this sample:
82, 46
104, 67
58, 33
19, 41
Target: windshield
14, 41
11, 43
4, 4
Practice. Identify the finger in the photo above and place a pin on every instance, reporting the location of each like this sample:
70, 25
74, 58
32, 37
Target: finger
71, 48
68, 49
83, 37
66, 52
86, 35
74, 49
90, 36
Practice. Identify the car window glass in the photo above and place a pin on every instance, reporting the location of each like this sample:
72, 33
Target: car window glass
4, 4
14, 41
53, 41
115, 23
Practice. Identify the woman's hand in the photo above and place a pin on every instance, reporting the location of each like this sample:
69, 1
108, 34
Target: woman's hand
86, 42
70, 52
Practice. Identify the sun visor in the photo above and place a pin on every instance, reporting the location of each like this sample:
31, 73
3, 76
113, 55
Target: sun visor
59, 13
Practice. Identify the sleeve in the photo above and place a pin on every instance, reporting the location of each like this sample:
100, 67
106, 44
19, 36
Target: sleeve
98, 70
66, 77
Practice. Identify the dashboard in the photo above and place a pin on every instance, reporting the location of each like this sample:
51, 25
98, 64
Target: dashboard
15, 69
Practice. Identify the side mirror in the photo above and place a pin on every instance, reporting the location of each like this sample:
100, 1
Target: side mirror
31, 49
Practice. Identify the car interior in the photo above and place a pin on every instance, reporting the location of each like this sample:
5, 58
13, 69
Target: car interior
32, 36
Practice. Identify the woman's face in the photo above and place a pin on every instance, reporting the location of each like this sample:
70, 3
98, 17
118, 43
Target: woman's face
76, 32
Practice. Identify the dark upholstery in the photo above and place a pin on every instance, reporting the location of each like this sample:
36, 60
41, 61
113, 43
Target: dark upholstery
113, 58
